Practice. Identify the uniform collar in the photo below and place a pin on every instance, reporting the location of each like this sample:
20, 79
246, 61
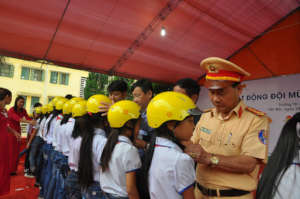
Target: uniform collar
123, 138
238, 111
99, 131
163, 142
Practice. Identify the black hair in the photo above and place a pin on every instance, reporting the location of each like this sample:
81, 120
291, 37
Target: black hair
287, 148
4, 92
16, 103
79, 125
190, 86
69, 96
235, 84
66, 118
162, 131
37, 105
55, 113
144, 84
85, 168
112, 140
117, 85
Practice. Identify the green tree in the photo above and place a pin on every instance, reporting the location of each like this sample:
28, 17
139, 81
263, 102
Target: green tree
95, 84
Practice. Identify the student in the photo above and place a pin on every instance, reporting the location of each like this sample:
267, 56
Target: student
281, 176
92, 144
167, 171
5, 99
190, 88
16, 115
117, 90
31, 136
142, 93
120, 159
72, 186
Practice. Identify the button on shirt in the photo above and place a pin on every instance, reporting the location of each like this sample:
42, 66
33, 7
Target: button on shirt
99, 142
242, 132
171, 172
125, 158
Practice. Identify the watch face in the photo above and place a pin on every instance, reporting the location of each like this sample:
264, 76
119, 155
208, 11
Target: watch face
214, 160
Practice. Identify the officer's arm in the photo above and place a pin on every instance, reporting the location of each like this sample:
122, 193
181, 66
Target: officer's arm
189, 193
234, 164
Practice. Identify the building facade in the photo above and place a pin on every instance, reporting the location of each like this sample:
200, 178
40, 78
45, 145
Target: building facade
38, 82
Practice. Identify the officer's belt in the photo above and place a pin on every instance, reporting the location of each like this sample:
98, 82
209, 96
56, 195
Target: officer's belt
222, 193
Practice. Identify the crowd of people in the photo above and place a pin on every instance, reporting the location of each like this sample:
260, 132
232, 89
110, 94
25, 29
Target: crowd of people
157, 147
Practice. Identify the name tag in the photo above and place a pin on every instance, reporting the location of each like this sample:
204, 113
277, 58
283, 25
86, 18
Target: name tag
205, 130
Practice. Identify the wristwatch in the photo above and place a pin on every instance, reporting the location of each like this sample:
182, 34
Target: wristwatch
214, 160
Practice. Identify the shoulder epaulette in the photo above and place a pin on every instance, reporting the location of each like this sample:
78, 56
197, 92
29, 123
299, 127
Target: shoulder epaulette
255, 111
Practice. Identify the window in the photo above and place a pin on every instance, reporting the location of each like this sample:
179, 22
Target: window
32, 74
54, 77
50, 99
34, 100
59, 78
6, 70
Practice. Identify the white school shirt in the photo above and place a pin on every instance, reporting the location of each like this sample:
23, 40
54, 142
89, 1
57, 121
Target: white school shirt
65, 137
289, 186
49, 136
125, 158
171, 171
45, 128
41, 127
56, 130
99, 142
74, 153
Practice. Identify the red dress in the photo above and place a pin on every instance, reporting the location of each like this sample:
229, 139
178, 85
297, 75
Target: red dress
14, 145
4, 156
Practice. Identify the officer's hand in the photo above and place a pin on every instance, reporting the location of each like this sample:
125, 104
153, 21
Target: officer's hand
104, 108
197, 153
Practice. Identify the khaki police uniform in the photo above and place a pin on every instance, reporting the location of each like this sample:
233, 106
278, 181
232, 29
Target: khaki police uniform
242, 132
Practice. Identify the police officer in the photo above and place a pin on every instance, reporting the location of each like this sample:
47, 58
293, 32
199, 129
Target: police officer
229, 141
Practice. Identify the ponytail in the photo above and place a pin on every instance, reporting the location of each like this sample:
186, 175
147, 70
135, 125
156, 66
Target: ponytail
85, 168
112, 140
55, 113
65, 119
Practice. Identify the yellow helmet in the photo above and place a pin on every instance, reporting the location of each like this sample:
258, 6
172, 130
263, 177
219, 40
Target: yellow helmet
38, 109
121, 112
95, 101
59, 103
79, 109
44, 109
50, 107
67, 108
55, 99
169, 106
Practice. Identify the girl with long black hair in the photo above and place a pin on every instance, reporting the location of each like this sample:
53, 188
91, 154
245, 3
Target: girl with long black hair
120, 159
167, 171
281, 176
92, 144
72, 186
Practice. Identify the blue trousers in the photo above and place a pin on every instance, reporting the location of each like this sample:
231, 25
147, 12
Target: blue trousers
47, 168
72, 187
93, 192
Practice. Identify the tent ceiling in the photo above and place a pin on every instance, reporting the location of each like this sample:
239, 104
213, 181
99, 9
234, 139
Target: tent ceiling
95, 35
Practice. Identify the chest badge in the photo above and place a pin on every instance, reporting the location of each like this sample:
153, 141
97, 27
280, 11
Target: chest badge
205, 130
